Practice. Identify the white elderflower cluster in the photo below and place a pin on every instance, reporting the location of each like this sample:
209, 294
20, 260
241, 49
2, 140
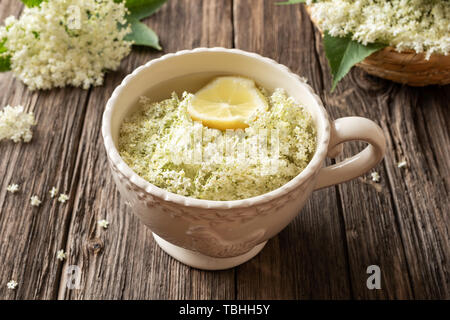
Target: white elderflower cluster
66, 42
15, 124
163, 145
420, 25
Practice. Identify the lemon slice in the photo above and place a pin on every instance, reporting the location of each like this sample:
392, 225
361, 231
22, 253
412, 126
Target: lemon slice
226, 103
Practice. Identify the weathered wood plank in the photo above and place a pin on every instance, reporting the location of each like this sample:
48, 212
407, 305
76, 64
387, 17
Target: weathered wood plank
370, 223
29, 236
400, 224
130, 264
420, 134
308, 258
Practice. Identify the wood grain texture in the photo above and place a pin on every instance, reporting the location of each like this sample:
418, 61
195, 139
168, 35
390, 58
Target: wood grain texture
400, 224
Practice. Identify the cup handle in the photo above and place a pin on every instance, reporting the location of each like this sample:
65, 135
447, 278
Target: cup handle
350, 129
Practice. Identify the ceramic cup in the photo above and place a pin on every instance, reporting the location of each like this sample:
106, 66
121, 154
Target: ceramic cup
216, 235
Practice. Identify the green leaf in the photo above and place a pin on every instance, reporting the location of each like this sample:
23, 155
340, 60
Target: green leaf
32, 3
142, 35
5, 61
140, 9
343, 53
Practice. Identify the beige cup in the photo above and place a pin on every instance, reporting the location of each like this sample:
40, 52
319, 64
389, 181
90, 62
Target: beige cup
216, 235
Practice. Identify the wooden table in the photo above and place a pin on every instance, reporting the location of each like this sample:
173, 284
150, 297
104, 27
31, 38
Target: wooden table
400, 224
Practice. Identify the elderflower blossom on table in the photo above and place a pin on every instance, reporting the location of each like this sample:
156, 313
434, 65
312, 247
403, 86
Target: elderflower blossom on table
103, 223
53, 192
15, 124
61, 255
420, 25
50, 47
157, 143
12, 284
13, 188
375, 176
35, 201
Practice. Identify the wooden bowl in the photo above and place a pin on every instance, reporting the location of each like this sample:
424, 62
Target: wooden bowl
407, 67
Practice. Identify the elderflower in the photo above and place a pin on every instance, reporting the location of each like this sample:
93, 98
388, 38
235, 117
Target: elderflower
13, 188
35, 202
61, 255
402, 164
63, 198
15, 124
375, 176
103, 223
420, 25
12, 284
66, 42
162, 144
53, 192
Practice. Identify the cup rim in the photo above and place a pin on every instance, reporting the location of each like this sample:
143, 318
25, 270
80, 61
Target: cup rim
313, 166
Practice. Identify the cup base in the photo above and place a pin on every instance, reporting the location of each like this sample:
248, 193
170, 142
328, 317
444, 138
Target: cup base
204, 262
